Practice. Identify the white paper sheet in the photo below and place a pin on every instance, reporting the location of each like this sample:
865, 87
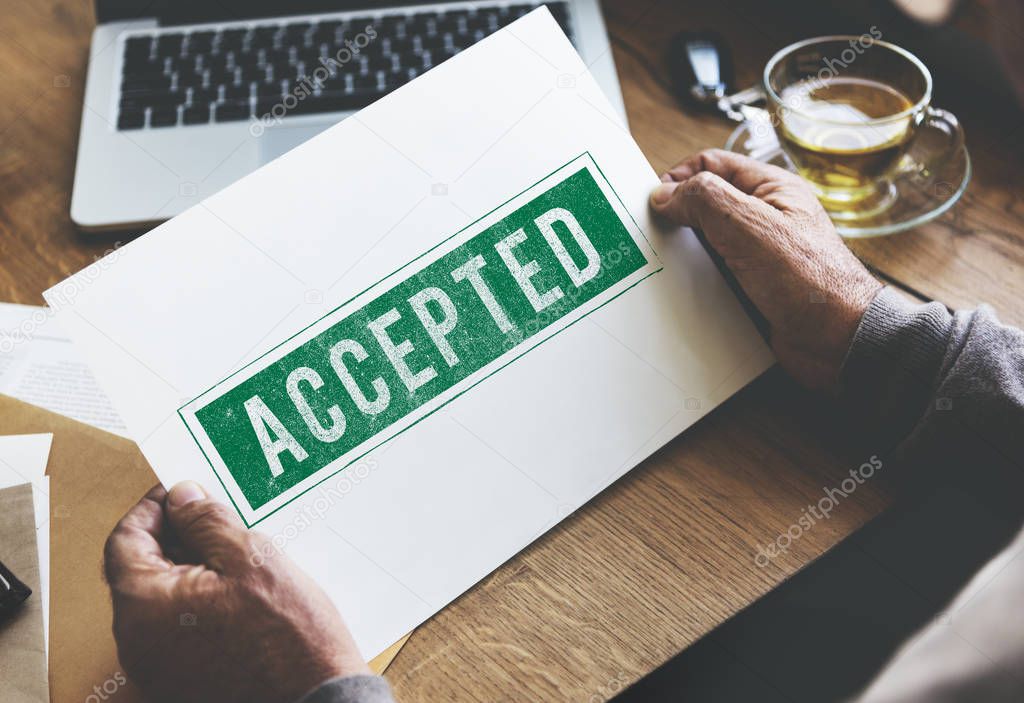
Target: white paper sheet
418, 520
23, 459
40, 365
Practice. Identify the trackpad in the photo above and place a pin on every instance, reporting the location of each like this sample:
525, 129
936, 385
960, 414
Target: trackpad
276, 141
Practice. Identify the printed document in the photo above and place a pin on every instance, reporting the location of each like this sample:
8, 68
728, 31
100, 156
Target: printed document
40, 365
409, 347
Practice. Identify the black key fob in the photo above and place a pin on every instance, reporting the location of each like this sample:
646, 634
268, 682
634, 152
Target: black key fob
701, 69
12, 591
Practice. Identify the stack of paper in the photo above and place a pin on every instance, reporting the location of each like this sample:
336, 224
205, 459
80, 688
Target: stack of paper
23, 461
24, 548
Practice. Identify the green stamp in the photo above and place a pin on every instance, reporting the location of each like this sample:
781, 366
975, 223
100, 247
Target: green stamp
416, 340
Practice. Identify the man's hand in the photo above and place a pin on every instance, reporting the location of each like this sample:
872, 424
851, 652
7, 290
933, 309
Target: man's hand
197, 618
784, 251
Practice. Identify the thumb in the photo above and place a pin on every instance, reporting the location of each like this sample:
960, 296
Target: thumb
697, 200
208, 530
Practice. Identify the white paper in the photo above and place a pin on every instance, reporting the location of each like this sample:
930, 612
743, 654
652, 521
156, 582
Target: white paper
40, 365
423, 517
23, 459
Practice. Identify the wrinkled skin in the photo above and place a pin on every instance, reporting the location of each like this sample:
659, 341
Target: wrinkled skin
198, 619
783, 249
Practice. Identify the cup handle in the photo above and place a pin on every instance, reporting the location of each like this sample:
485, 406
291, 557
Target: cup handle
937, 124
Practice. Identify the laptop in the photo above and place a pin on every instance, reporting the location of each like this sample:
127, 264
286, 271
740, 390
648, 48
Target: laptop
184, 97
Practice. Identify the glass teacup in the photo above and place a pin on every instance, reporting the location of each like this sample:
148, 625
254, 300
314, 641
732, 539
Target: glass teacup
846, 110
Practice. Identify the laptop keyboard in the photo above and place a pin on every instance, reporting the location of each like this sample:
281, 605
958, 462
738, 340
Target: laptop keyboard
269, 70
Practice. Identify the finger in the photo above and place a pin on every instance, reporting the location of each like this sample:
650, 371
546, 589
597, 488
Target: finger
133, 548
210, 531
700, 199
743, 172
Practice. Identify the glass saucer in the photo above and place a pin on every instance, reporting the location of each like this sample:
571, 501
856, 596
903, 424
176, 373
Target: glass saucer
921, 194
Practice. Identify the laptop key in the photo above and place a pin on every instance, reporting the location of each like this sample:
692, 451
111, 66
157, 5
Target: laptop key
131, 101
334, 84
145, 83
169, 44
144, 72
432, 43
230, 112
308, 57
190, 79
178, 64
448, 23
379, 63
232, 39
279, 57
295, 34
490, 20
131, 119
143, 66
204, 96
175, 97
270, 89
326, 33
250, 73
402, 46
262, 37
197, 114
395, 79
249, 58
137, 47
236, 93
163, 116
220, 64
375, 48
365, 82
418, 23
265, 106
200, 42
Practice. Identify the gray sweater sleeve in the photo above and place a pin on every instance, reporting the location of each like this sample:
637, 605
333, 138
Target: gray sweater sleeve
930, 382
351, 689
948, 390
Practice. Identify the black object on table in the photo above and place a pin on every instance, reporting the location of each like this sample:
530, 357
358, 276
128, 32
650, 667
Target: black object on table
701, 69
12, 591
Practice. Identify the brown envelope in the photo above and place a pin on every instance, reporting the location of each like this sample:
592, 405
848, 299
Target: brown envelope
22, 651
95, 477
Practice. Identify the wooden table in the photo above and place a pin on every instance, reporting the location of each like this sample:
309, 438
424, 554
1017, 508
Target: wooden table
667, 553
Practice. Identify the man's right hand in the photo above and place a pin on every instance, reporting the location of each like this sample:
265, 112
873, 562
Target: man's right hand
206, 612
783, 249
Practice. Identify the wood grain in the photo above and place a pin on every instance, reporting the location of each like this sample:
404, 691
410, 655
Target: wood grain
650, 565
972, 254
43, 57
667, 553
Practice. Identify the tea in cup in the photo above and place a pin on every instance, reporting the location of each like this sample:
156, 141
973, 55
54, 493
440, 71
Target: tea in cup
846, 110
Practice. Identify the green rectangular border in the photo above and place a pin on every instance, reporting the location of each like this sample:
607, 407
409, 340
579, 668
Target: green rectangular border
457, 395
